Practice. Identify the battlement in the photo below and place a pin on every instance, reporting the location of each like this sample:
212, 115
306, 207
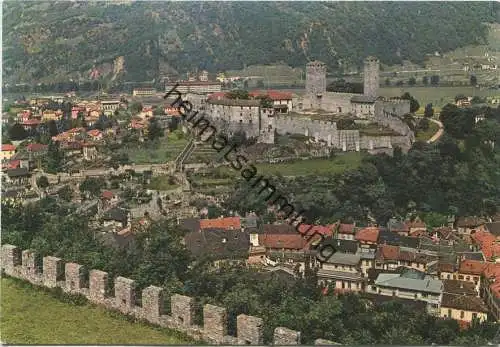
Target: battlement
72, 278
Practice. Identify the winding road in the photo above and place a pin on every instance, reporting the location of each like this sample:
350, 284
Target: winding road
440, 131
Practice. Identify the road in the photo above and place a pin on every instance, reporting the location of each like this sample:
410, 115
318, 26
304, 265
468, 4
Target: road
439, 133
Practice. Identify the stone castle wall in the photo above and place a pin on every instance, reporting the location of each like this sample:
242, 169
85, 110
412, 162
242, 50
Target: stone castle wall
73, 279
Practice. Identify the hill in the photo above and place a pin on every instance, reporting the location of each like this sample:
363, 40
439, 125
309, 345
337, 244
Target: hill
137, 41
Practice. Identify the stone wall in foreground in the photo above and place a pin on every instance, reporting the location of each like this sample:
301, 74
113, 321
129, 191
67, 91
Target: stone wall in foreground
73, 279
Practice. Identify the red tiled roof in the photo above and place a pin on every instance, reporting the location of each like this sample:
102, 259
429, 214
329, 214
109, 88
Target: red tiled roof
8, 148
488, 243
94, 132
286, 241
316, 229
346, 228
388, 252
369, 234
492, 270
14, 164
218, 95
472, 267
272, 94
446, 267
31, 122
221, 223
107, 195
36, 147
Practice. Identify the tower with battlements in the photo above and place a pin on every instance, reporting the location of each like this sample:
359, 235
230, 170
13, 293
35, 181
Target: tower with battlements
371, 76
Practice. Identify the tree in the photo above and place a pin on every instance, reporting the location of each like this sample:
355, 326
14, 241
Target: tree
42, 182
238, 94
423, 124
265, 101
399, 83
414, 105
135, 107
425, 80
154, 130
434, 80
66, 193
17, 132
473, 80
158, 111
412, 81
53, 131
429, 111
54, 158
92, 186
118, 159
387, 82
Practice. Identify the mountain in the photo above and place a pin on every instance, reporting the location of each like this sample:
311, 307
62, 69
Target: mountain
137, 41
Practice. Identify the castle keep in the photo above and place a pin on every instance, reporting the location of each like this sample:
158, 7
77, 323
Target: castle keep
73, 279
314, 113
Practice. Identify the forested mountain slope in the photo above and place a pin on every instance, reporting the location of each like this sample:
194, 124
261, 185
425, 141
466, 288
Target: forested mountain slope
58, 40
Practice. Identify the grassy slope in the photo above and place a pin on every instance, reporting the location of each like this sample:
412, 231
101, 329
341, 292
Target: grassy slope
30, 316
426, 135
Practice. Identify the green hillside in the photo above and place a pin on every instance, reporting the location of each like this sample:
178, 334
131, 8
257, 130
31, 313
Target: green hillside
137, 41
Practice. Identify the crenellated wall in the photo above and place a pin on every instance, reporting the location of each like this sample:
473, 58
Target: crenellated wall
72, 278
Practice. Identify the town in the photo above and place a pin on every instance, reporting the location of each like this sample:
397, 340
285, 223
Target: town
115, 207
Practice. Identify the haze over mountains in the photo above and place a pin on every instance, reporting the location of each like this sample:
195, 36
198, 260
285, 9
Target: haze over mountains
137, 41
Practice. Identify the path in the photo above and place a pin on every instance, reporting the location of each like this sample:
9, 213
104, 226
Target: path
440, 131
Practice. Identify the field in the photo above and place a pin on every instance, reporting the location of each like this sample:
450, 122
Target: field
31, 316
167, 150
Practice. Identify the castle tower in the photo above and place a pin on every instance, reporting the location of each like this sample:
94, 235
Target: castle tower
371, 76
315, 82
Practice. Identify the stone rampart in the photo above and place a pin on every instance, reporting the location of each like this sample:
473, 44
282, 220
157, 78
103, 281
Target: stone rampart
72, 279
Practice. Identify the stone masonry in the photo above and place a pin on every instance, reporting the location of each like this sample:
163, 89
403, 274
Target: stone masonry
71, 278
285, 337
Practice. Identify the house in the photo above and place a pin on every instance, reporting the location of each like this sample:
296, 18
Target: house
282, 101
415, 226
30, 124
488, 243
71, 148
398, 227
110, 106
228, 223
95, 134
393, 239
471, 271
390, 257
218, 245
410, 284
49, 115
342, 272
465, 308
7, 151
457, 287
284, 248
466, 225
367, 236
37, 150
490, 289
143, 91
19, 176
108, 198
116, 219
493, 228
346, 231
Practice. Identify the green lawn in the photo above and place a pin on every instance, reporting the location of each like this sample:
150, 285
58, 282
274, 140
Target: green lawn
340, 163
161, 183
426, 135
167, 150
32, 316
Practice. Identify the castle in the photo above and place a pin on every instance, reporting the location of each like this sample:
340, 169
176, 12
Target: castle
314, 113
